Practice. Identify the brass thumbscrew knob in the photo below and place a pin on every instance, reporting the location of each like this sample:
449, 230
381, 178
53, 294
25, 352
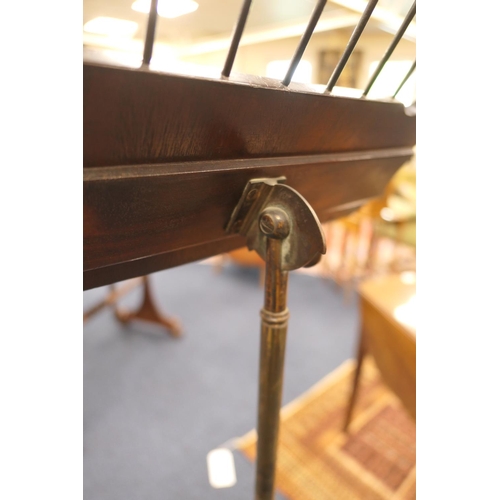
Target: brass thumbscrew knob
274, 223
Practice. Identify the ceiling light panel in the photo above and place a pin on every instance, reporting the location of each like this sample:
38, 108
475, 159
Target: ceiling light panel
110, 26
167, 8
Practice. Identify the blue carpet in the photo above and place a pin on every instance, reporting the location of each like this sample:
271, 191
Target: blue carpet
154, 406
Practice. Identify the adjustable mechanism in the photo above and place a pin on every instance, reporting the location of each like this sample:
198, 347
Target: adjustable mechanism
283, 229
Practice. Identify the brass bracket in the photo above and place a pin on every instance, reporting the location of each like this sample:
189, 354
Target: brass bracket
305, 242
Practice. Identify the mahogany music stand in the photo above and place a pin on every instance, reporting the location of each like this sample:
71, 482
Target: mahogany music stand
177, 169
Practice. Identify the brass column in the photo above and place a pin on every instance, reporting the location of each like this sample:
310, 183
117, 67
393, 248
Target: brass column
283, 229
275, 225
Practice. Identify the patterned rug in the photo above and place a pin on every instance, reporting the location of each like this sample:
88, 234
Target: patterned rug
317, 461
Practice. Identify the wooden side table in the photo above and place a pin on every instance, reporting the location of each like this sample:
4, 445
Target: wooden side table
388, 334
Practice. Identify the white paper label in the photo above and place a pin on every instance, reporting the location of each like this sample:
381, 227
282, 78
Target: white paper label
221, 470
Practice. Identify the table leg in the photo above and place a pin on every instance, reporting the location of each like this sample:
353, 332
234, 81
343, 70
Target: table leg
355, 383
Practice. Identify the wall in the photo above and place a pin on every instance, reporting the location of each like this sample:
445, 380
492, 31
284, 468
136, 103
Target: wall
253, 59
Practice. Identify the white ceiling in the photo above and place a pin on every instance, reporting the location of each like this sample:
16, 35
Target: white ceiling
214, 19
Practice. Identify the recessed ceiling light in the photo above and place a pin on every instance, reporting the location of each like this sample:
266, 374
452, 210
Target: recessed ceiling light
167, 8
110, 26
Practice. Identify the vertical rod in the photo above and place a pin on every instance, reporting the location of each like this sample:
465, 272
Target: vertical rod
355, 382
150, 34
410, 71
238, 31
394, 43
272, 355
304, 41
358, 30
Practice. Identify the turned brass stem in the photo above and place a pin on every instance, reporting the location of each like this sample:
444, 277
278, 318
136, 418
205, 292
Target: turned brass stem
272, 356
283, 229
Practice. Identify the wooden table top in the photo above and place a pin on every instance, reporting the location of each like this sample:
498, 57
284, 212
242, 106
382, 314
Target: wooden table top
395, 297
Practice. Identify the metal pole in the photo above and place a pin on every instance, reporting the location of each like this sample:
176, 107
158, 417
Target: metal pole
283, 229
150, 34
272, 352
304, 41
401, 31
356, 34
235, 41
410, 71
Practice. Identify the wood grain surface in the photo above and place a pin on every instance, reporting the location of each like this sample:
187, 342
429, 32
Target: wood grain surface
166, 159
140, 117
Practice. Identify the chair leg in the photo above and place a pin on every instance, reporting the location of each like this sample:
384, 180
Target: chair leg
371, 253
149, 312
111, 298
355, 384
